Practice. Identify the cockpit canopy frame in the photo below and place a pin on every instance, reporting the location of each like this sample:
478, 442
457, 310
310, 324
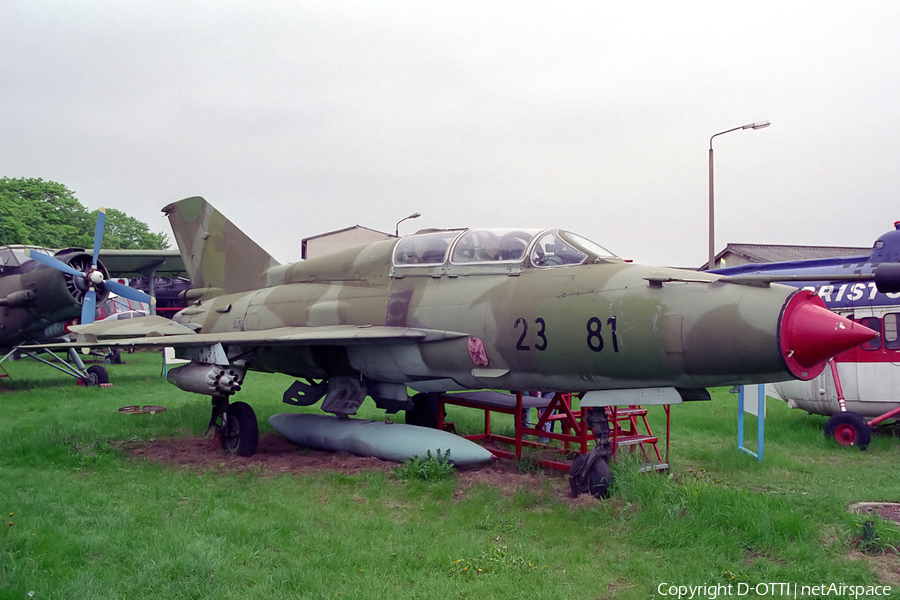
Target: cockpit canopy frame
453, 252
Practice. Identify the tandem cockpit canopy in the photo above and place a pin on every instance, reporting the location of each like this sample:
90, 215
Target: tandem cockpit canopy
542, 248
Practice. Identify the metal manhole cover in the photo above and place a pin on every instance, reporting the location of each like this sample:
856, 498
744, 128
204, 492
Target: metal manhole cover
137, 410
889, 511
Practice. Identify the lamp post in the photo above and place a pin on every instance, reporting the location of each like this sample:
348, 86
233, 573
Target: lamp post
712, 220
397, 227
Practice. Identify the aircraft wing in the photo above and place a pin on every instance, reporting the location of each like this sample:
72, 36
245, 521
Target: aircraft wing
140, 327
142, 263
152, 332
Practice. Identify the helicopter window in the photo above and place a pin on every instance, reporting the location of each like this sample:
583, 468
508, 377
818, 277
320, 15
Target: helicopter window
873, 323
552, 251
492, 246
891, 335
428, 249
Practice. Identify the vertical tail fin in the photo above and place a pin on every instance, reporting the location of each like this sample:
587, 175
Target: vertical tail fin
215, 252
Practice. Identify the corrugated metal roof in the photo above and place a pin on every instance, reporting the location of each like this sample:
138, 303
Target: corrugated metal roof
344, 230
765, 253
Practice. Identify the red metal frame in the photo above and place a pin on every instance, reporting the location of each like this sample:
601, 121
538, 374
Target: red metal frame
630, 435
559, 409
562, 403
843, 405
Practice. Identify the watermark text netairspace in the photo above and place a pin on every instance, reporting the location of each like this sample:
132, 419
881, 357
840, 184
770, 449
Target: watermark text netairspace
771, 590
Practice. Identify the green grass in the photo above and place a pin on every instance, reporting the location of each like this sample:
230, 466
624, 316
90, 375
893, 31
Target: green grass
89, 522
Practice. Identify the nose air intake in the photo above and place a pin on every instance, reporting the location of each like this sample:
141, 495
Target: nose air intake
810, 334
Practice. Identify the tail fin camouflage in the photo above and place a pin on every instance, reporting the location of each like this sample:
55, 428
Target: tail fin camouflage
218, 256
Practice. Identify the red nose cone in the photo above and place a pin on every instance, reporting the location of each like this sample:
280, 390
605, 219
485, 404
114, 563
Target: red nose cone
811, 334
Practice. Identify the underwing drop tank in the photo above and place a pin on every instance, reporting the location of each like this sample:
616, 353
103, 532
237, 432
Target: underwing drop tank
388, 441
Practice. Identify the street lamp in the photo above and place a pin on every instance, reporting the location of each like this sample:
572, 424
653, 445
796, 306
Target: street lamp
712, 220
397, 227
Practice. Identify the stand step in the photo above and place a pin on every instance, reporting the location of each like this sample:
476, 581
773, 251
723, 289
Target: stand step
647, 468
627, 431
633, 440
627, 413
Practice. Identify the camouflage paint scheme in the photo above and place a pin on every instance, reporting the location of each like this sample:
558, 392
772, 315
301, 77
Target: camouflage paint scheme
598, 325
504, 309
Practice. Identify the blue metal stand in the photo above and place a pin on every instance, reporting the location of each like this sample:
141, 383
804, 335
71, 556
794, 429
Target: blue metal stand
760, 412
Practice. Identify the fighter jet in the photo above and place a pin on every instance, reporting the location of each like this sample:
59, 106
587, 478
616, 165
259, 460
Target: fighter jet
445, 310
42, 294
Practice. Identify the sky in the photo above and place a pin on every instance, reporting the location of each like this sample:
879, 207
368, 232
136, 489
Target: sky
296, 118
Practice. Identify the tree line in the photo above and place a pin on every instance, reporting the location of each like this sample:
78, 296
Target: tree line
45, 213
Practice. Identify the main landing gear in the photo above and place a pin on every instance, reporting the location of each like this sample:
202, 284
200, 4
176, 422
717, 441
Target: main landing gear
234, 422
95, 375
235, 425
86, 376
590, 473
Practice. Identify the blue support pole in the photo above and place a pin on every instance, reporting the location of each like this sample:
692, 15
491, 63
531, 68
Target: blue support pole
760, 421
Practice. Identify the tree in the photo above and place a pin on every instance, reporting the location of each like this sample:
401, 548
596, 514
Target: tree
46, 213
128, 233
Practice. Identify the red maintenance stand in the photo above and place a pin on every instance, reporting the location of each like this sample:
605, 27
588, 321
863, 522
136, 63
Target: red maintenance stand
576, 435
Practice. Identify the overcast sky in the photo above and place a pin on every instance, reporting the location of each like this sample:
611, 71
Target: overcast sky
294, 118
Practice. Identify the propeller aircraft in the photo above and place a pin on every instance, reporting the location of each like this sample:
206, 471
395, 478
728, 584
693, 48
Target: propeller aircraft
42, 295
445, 310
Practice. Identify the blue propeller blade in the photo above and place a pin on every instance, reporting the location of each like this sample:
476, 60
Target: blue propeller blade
98, 234
53, 262
88, 307
128, 292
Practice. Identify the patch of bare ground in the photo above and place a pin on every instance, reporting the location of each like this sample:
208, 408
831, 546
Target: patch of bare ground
751, 557
278, 456
504, 474
275, 456
886, 566
616, 585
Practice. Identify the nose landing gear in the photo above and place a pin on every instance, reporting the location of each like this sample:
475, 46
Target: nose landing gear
590, 473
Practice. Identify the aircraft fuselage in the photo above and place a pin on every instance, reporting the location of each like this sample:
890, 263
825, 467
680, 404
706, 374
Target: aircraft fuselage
603, 325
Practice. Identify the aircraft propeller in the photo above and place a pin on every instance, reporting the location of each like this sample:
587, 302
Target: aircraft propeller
93, 276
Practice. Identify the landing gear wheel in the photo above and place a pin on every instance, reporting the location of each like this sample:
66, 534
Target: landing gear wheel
95, 376
849, 429
594, 481
424, 412
239, 432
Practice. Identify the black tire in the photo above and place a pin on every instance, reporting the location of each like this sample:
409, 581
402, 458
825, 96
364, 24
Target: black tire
95, 376
597, 481
240, 435
424, 412
849, 429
